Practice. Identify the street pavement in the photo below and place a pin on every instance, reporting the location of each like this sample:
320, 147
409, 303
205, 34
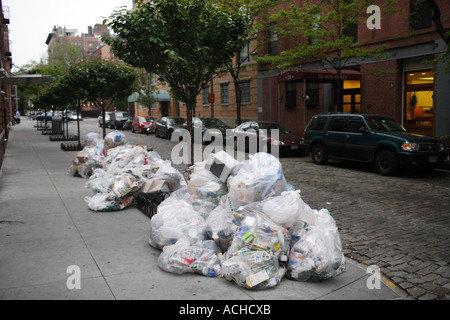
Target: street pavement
398, 224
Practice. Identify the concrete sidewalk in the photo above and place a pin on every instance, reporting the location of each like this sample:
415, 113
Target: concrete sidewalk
46, 227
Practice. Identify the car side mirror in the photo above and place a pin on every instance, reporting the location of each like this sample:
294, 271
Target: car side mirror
364, 130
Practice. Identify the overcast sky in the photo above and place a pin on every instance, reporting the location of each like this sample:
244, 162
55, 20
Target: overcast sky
32, 20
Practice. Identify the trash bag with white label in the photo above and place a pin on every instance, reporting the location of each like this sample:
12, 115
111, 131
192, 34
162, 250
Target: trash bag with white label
253, 269
205, 190
318, 254
257, 231
219, 224
257, 179
174, 219
186, 256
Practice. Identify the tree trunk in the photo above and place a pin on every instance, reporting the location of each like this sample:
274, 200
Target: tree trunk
189, 107
78, 124
104, 122
238, 94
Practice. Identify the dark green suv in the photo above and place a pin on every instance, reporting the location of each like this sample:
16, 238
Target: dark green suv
369, 138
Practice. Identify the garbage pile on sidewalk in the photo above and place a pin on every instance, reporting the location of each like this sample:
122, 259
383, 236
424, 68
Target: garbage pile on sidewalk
117, 170
244, 222
238, 220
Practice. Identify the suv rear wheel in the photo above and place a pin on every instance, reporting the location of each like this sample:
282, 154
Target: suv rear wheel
386, 163
319, 154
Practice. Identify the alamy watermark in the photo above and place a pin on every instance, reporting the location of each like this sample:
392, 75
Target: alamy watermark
74, 280
374, 280
374, 21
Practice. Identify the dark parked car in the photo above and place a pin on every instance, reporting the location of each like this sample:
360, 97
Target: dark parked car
118, 119
167, 125
215, 127
270, 132
141, 124
369, 138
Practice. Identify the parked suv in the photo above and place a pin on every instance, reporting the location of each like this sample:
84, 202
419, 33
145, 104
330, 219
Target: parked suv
369, 138
118, 119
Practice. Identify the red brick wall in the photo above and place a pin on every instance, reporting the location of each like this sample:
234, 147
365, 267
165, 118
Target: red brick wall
381, 89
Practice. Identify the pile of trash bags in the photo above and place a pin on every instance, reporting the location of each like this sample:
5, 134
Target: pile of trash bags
252, 228
116, 171
236, 220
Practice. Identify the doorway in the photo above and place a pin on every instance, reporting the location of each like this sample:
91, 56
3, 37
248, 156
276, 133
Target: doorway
351, 96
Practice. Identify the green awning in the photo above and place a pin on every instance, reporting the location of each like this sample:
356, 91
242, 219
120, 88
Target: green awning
160, 96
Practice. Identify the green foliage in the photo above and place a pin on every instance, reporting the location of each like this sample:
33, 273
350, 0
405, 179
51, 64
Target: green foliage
64, 55
101, 82
184, 42
325, 26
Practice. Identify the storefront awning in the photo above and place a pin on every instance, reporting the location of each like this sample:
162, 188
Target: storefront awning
317, 75
26, 80
160, 96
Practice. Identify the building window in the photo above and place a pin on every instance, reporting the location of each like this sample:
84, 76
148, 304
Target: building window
244, 86
421, 15
312, 90
244, 55
351, 96
273, 39
291, 95
351, 30
205, 95
314, 38
224, 97
419, 98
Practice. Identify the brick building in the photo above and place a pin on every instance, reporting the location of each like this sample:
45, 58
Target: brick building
89, 44
403, 84
5, 69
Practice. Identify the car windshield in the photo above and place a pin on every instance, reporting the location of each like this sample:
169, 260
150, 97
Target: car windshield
176, 120
384, 124
213, 123
271, 126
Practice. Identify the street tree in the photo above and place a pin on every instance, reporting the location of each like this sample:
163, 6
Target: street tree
443, 33
149, 90
65, 54
184, 42
256, 10
328, 29
102, 82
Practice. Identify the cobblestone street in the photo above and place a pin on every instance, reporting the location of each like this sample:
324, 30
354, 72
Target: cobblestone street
400, 224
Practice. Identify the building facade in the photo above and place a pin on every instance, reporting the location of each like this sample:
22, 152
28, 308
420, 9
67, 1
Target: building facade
404, 83
6, 101
89, 44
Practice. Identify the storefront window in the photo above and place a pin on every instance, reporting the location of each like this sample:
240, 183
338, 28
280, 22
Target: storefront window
419, 98
351, 98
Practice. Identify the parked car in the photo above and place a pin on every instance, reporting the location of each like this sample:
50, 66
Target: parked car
141, 124
107, 119
216, 128
72, 115
166, 125
45, 115
252, 130
369, 138
118, 119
